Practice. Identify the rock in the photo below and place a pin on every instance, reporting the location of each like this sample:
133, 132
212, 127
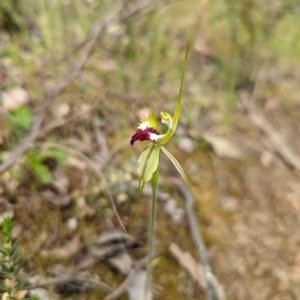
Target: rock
14, 98
72, 223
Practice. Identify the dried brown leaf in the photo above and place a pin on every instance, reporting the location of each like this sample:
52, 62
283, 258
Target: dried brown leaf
186, 260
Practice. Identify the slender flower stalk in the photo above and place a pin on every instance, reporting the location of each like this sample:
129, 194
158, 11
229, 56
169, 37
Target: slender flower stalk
148, 161
154, 183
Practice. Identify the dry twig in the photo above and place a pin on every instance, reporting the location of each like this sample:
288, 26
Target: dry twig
69, 278
94, 167
212, 291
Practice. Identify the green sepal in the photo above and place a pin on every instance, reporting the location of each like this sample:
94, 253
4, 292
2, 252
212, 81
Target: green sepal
178, 104
142, 159
147, 165
152, 122
176, 164
142, 168
152, 164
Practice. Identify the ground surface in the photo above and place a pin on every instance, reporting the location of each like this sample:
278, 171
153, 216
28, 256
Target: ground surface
237, 141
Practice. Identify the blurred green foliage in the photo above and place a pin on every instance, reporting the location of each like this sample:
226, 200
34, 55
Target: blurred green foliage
36, 163
244, 33
11, 15
144, 54
20, 121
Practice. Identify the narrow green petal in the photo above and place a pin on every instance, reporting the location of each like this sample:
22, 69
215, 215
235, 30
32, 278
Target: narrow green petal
142, 159
142, 166
148, 173
178, 105
176, 164
148, 164
141, 169
152, 164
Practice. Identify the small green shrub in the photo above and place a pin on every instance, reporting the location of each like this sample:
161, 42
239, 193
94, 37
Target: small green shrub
12, 287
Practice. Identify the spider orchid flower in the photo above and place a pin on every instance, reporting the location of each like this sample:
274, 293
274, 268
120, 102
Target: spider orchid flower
148, 130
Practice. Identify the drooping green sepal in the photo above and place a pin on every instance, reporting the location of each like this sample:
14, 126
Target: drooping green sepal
176, 164
147, 165
141, 170
143, 158
152, 164
147, 170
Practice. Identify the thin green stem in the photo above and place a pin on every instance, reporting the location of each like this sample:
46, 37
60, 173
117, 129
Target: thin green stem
154, 182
